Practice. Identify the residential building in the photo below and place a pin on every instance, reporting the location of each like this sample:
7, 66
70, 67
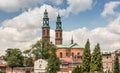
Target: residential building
108, 60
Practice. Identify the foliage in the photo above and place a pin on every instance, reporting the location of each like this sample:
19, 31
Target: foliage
86, 58
116, 65
28, 62
14, 57
96, 60
77, 70
39, 51
2, 71
53, 61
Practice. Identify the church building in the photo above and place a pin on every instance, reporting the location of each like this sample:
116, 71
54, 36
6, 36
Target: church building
71, 53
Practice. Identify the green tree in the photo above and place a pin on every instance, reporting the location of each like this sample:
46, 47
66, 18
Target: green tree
77, 70
14, 58
53, 61
28, 62
116, 65
86, 58
39, 51
96, 60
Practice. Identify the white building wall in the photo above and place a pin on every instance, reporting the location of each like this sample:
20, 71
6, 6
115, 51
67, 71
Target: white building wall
40, 66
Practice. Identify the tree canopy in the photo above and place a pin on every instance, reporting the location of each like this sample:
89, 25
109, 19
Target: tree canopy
14, 57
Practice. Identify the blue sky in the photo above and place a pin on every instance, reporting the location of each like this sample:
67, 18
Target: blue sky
98, 20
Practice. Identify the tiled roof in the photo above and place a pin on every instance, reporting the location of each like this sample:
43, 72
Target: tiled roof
74, 45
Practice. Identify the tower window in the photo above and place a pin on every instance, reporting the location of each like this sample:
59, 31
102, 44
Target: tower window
43, 32
60, 34
56, 34
60, 54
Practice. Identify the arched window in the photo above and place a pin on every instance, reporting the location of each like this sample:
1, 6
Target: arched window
60, 54
66, 54
72, 54
60, 34
57, 35
78, 55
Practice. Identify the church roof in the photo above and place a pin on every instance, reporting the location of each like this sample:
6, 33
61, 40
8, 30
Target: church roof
69, 45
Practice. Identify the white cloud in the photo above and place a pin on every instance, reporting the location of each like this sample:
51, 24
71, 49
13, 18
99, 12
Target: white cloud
76, 6
109, 8
15, 5
57, 2
115, 26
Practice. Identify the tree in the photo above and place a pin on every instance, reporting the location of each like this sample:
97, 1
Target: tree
86, 58
116, 65
77, 70
14, 58
28, 62
96, 60
39, 51
53, 61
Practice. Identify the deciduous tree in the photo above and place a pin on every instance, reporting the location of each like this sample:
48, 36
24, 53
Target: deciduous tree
14, 58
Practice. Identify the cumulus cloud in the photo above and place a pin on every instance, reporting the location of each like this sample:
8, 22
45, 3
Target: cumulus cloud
76, 6
57, 2
109, 8
15, 5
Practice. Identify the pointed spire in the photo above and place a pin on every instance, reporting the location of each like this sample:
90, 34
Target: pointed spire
45, 14
58, 14
58, 23
72, 41
45, 19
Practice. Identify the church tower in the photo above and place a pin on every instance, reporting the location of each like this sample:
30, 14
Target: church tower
46, 28
58, 31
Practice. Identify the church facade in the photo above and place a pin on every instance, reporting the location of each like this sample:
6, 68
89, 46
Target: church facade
71, 53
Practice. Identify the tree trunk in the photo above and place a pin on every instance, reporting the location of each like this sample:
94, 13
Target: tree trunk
12, 70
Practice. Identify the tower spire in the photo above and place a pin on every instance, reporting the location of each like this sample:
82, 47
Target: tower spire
58, 31
46, 28
58, 23
45, 19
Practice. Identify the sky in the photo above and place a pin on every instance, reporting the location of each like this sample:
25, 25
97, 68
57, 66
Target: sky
96, 20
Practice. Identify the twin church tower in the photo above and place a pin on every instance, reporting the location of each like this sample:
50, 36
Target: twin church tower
46, 29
